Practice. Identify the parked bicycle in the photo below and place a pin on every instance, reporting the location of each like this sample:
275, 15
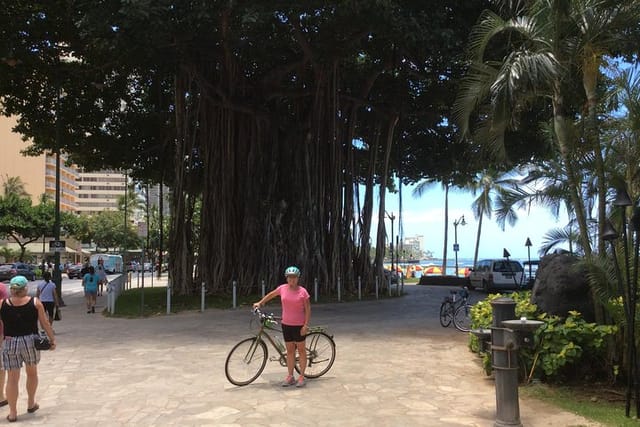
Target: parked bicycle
248, 358
457, 309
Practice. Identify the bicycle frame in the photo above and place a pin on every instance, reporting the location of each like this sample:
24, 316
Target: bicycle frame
267, 323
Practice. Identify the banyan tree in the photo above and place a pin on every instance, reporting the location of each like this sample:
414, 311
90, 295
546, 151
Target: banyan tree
280, 122
278, 126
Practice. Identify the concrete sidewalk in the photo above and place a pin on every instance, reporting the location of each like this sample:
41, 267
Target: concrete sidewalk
395, 366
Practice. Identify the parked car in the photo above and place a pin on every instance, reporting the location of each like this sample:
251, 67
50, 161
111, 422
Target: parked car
8, 271
74, 271
502, 274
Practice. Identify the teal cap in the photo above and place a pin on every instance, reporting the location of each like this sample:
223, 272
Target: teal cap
18, 282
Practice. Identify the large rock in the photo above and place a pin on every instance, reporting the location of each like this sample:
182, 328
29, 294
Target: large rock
561, 286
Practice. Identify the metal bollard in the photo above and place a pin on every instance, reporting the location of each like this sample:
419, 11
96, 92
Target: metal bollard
338, 289
235, 294
315, 290
508, 335
504, 363
359, 288
263, 289
377, 287
202, 290
168, 296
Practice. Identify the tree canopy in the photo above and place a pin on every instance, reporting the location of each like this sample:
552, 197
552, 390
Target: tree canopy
271, 118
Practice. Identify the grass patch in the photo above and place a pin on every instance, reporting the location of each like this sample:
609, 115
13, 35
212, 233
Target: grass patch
593, 401
129, 303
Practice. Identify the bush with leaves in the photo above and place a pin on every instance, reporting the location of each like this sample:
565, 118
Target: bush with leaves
566, 348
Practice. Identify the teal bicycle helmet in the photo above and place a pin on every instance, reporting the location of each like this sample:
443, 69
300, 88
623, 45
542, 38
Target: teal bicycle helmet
292, 271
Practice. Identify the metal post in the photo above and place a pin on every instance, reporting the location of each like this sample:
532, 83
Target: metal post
202, 289
263, 289
235, 294
528, 244
377, 286
505, 365
359, 288
142, 289
315, 290
338, 289
168, 295
392, 218
456, 247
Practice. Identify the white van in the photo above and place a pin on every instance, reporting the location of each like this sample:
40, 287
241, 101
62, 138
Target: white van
112, 263
499, 274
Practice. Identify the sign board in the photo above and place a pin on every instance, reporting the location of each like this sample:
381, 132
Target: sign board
142, 229
57, 246
456, 247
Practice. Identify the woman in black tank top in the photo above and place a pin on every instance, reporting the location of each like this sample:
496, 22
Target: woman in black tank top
20, 315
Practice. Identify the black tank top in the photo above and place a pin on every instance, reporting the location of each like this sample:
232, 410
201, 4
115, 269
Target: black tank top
19, 320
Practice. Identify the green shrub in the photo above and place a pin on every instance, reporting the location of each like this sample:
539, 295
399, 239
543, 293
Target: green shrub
565, 348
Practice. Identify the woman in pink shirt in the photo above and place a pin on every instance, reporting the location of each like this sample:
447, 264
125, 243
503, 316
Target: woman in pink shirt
296, 313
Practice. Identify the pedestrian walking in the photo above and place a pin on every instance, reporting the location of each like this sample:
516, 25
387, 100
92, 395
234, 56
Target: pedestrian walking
102, 275
48, 295
4, 294
90, 285
20, 316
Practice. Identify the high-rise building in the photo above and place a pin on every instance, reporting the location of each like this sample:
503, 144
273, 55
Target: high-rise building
68, 178
80, 192
31, 170
99, 191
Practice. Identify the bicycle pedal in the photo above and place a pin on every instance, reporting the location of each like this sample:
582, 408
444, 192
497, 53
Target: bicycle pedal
274, 359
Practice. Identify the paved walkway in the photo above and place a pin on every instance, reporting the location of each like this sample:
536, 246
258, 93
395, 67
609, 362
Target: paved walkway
395, 366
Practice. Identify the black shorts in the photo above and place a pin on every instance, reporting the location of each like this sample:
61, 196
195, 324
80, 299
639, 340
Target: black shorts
48, 307
292, 333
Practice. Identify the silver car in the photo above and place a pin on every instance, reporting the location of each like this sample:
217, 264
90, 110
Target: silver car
498, 274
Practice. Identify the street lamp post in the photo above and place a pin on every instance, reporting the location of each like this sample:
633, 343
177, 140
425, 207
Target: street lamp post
528, 244
627, 288
392, 218
456, 247
57, 274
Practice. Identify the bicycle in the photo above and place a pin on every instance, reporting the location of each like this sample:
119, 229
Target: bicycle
462, 315
248, 358
456, 310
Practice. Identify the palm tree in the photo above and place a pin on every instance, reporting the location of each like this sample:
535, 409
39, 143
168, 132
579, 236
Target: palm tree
13, 186
417, 192
599, 34
489, 183
548, 41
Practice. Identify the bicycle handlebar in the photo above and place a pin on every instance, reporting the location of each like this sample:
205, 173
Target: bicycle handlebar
264, 316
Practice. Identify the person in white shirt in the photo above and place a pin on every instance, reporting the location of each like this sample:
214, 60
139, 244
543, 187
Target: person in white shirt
102, 275
48, 295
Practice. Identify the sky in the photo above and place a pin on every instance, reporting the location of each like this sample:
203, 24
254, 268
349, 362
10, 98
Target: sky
425, 216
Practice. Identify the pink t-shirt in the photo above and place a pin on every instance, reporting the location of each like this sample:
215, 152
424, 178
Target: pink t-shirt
292, 304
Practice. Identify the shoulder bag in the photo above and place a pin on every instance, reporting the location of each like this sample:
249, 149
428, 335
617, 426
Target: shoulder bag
41, 342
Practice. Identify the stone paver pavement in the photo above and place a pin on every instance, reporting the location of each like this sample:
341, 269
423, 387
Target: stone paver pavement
395, 366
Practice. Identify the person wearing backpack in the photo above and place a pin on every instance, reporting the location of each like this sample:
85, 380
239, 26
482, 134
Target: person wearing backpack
48, 295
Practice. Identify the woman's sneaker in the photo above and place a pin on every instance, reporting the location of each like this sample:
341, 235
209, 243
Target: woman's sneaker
301, 381
288, 381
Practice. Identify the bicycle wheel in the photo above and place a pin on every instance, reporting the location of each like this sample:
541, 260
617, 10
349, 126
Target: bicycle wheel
445, 314
462, 318
246, 361
321, 352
